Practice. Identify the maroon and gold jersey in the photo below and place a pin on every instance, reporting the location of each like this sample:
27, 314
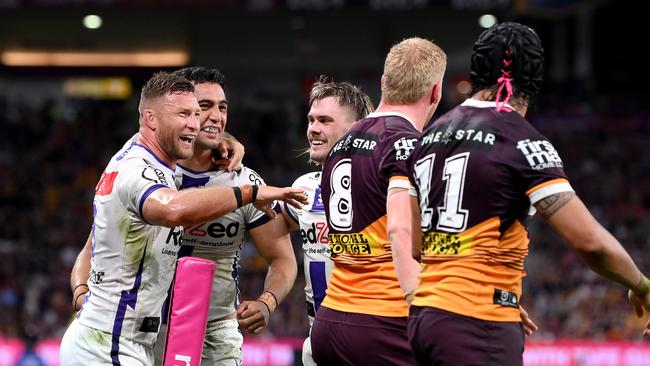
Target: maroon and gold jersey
360, 169
477, 173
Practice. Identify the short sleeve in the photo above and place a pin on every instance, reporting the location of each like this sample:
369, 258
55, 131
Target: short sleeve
399, 143
136, 181
252, 216
539, 167
291, 211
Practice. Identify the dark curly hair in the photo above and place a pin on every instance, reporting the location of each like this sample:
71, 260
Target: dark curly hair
509, 50
200, 75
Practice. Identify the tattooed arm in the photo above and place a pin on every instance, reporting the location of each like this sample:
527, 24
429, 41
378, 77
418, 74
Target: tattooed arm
596, 246
569, 217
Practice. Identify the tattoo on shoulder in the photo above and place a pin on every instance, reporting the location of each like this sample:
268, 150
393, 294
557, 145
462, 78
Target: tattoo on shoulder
549, 205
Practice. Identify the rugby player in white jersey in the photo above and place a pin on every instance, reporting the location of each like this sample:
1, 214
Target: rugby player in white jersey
137, 227
334, 107
221, 239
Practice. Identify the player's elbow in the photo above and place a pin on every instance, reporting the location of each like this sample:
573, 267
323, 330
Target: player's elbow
286, 263
169, 215
591, 242
399, 233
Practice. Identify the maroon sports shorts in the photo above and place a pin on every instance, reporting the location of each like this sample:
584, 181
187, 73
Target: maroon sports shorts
340, 338
441, 338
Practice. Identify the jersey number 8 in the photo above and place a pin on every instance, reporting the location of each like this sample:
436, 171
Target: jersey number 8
340, 205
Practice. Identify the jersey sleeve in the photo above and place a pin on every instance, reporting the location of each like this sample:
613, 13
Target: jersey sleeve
539, 167
136, 181
396, 148
291, 211
252, 216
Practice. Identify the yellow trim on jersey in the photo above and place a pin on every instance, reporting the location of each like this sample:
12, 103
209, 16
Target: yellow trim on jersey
466, 284
364, 280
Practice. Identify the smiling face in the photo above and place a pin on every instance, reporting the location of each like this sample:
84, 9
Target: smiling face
328, 122
214, 114
178, 124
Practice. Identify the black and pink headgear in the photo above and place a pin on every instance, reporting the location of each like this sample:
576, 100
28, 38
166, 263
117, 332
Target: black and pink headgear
511, 56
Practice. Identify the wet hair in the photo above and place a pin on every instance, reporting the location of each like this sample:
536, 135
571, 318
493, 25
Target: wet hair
410, 70
163, 83
348, 94
200, 75
508, 55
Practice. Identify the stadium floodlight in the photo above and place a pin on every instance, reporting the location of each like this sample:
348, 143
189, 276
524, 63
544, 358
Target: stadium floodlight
92, 21
487, 20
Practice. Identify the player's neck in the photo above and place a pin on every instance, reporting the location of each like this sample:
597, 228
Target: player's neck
416, 113
148, 140
201, 160
520, 105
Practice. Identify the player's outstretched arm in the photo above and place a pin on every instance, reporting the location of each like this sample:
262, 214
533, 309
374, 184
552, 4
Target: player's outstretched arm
229, 153
566, 213
274, 245
170, 208
80, 273
398, 208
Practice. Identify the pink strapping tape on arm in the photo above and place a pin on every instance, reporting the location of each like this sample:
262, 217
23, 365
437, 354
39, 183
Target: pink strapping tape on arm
188, 315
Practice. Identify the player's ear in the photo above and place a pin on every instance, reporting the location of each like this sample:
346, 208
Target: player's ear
149, 119
436, 93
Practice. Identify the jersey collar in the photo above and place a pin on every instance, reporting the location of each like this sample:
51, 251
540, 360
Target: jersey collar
482, 104
385, 114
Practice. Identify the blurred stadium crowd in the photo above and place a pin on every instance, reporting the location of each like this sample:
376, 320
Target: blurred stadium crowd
52, 154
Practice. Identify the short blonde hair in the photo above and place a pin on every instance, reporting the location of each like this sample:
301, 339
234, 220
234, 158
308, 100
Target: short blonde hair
410, 70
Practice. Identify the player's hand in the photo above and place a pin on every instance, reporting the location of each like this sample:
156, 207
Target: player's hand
267, 194
78, 296
529, 326
253, 316
229, 154
641, 305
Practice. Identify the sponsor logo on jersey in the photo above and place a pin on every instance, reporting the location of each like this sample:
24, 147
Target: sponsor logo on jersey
96, 277
317, 206
449, 135
505, 298
255, 178
403, 148
437, 243
105, 185
540, 154
175, 235
353, 244
316, 234
360, 143
154, 174
214, 230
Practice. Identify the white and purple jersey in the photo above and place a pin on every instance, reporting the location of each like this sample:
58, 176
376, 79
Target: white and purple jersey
221, 240
132, 260
313, 231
